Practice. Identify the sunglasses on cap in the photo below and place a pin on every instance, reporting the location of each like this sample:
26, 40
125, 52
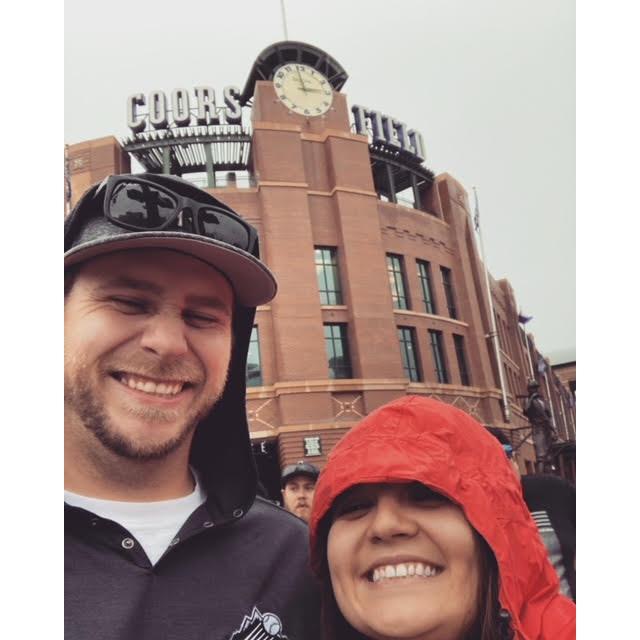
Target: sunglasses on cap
508, 450
140, 204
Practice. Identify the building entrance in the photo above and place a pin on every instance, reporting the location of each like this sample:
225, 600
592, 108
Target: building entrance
265, 453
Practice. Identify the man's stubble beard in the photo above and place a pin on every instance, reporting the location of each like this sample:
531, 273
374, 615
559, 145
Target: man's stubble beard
81, 398
304, 513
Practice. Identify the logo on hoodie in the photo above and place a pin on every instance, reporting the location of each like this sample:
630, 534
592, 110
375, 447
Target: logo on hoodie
259, 626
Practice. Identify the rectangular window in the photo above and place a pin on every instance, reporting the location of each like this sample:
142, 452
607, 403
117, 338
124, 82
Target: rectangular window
424, 274
254, 372
508, 375
437, 349
397, 281
502, 339
447, 283
409, 351
337, 344
328, 276
514, 383
502, 335
462, 360
507, 333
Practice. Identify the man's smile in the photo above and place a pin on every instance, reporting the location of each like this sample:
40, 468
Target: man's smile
151, 386
141, 390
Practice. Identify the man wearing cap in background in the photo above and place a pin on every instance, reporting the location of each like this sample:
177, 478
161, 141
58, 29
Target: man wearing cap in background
298, 483
164, 535
552, 503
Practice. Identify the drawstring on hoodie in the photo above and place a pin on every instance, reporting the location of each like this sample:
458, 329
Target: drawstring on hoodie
504, 625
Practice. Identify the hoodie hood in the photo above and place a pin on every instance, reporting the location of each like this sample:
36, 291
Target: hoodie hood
221, 447
420, 439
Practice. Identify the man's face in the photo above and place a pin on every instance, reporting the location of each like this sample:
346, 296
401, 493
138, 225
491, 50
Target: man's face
147, 348
298, 495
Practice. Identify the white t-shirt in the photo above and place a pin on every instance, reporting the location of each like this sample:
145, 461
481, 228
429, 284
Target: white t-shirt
153, 524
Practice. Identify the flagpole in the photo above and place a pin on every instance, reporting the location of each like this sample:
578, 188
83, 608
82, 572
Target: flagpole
528, 350
563, 414
284, 20
492, 316
524, 342
546, 382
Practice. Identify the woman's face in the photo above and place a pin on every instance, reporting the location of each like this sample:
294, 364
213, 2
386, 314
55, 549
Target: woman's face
404, 563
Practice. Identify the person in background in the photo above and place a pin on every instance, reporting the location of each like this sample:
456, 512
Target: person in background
552, 503
419, 531
298, 483
164, 536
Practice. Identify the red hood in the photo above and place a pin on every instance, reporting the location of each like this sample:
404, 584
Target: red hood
417, 438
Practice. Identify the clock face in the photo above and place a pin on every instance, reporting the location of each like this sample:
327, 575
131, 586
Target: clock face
302, 89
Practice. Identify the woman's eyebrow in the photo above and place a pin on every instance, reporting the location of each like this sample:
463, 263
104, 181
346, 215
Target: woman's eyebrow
356, 491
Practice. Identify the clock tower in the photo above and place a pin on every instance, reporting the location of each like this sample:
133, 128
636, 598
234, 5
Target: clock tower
316, 190
297, 83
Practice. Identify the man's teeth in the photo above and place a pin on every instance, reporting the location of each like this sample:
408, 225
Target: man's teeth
404, 570
148, 386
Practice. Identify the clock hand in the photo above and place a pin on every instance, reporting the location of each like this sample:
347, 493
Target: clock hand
301, 80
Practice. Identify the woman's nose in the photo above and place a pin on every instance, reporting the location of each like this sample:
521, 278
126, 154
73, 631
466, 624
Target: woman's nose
392, 519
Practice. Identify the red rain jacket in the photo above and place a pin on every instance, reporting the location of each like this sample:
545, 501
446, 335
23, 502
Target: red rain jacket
417, 438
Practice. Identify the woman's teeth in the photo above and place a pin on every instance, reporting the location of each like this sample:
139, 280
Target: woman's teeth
403, 570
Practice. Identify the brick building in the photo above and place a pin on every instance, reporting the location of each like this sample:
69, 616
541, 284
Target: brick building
381, 286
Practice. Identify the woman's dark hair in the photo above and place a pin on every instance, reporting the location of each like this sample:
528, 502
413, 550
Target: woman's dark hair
332, 622
486, 625
489, 623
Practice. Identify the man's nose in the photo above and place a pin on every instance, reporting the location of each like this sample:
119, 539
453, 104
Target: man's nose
165, 335
391, 519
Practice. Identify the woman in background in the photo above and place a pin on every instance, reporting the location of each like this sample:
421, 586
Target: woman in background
419, 531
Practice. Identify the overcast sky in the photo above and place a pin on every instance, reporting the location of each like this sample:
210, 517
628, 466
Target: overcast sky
489, 84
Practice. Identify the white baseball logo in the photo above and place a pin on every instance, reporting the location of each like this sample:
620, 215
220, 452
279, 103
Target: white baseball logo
271, 624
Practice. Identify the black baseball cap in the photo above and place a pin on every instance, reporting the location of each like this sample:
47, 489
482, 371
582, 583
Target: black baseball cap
299, 469
146, 211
